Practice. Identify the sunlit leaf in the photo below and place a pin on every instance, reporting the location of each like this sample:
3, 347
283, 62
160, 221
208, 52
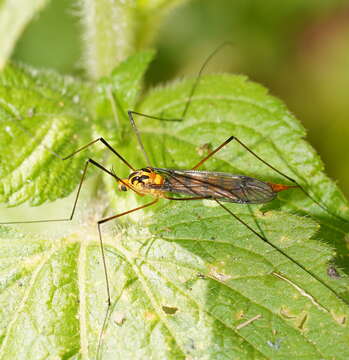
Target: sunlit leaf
186, 280
186, 288
41, 114
226, 105
118, 93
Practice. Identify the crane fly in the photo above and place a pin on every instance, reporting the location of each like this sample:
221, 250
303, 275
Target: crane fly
217, 186
172, 184
164, 183
227, 187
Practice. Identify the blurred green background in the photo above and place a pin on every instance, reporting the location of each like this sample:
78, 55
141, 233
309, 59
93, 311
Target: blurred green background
298, 49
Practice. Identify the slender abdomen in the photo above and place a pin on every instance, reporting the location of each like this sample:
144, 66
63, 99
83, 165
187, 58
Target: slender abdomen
221, 186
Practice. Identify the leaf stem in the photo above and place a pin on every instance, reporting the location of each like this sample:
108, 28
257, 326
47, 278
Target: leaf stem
108, 34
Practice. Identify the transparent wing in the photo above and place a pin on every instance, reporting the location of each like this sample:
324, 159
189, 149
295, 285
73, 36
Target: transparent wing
217, 185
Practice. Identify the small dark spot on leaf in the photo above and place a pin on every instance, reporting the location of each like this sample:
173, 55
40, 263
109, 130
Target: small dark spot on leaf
212, 238
169, 310
190, 345
189, 284
240, 314
201, 276
204, 149
332, 272
301, 325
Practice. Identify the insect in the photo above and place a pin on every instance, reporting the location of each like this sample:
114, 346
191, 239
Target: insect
171, 184
193, 184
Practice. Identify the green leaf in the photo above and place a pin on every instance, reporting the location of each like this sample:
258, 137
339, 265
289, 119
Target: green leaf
226, 105
126, 79
186, 279
41, 114
118, 93
14, 16
184, 289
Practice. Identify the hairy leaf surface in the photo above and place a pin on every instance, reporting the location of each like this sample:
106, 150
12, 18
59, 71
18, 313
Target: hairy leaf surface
186, 279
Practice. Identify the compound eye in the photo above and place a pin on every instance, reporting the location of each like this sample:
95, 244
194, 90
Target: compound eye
123, 188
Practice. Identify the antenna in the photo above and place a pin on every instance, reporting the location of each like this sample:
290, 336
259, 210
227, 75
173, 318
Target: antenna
197, 80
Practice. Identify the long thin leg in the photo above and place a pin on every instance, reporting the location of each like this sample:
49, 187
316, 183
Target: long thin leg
89, 161
282, 252
198, 77
131, 113
99, 223
226, 142
187, 104
135, 129
104, 142
213, 152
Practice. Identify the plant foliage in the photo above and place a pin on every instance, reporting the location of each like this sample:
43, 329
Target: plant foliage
185, 278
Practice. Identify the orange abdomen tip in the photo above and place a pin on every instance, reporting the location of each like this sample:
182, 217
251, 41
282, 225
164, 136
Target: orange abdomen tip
280, 187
